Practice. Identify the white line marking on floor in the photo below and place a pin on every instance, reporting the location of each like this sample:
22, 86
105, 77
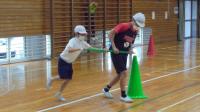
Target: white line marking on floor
99, 94
177, 103
171, 74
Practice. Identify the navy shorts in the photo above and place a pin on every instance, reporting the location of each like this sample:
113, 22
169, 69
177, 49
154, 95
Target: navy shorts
119, 62
65, 69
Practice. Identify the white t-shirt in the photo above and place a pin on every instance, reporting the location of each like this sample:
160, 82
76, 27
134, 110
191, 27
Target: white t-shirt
70, 57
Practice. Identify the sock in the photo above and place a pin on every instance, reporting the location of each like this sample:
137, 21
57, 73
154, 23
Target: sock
123, 94
107, 88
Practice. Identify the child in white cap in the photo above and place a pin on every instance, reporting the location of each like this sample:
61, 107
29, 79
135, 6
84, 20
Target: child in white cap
71, 52
122, 37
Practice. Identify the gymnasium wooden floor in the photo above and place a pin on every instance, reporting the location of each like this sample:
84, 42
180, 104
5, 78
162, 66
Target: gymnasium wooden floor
171, 80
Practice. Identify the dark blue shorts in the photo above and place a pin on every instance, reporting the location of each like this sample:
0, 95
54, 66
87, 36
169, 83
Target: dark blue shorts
119, 62
65, 69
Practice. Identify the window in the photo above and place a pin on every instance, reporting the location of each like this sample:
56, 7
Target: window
17, 49
3, 50
190, 18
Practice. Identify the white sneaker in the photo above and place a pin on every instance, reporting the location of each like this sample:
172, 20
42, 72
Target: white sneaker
49, 83
126, 99
59, 97
107, 94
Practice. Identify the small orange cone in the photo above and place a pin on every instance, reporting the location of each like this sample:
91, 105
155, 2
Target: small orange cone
151, 48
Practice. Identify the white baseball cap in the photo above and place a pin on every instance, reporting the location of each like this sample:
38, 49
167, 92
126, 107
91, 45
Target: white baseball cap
80, 29
139, 18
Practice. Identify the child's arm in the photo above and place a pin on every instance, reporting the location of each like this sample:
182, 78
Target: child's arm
71, 50
111, 37
86, 45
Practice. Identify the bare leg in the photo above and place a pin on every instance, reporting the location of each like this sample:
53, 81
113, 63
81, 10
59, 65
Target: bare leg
107, 88
123, 81
55, 78
114, 80
62, 87
51, 80
112, 83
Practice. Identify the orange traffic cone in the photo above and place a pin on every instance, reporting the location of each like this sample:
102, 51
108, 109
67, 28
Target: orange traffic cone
151, 48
